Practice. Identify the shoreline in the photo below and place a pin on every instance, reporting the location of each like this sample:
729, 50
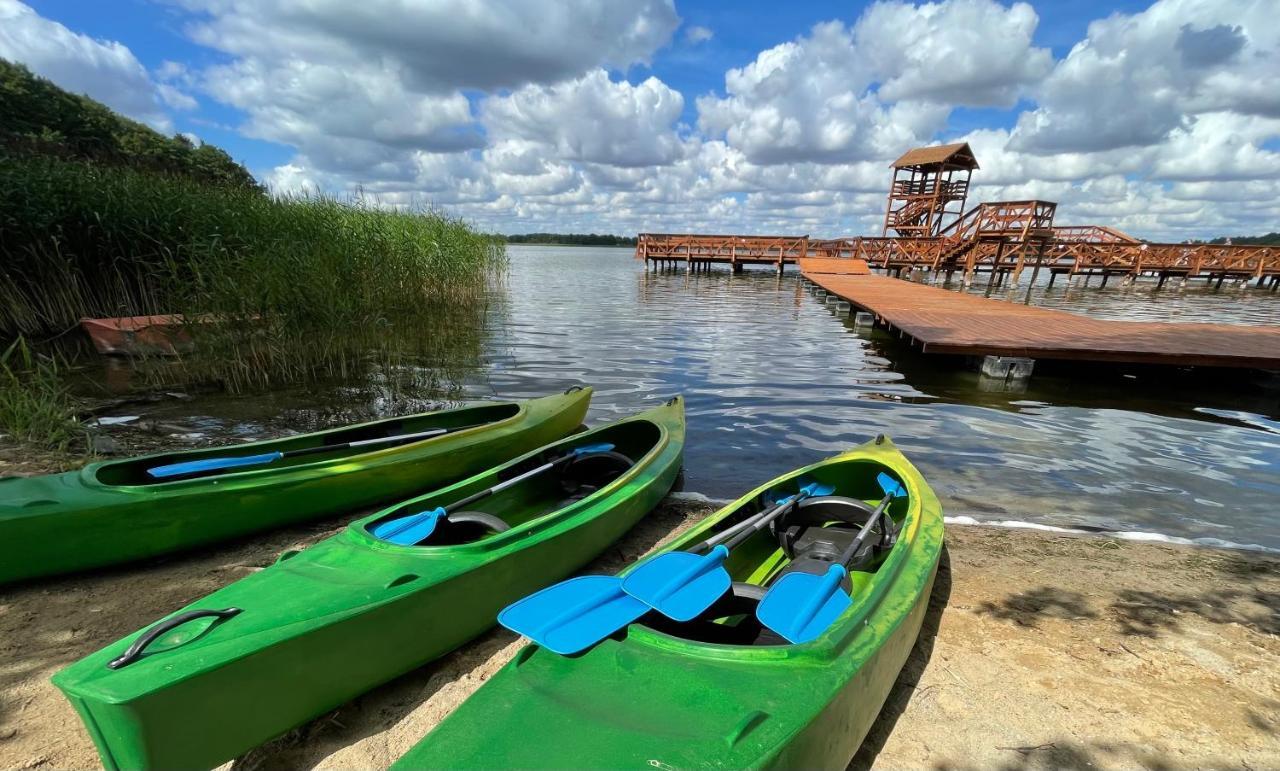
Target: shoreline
1124, 654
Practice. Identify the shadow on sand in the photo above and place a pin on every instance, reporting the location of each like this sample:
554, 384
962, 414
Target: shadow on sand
905, 686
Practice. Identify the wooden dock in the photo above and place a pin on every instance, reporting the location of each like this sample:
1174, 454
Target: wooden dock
948, 322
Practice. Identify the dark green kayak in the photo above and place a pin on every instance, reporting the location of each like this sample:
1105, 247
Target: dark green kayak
721, 691
117, 511
323, 625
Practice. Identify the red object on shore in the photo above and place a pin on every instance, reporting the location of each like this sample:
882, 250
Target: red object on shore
139, 335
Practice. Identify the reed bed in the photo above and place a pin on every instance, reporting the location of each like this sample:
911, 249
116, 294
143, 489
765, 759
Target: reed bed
281, 290
35, 405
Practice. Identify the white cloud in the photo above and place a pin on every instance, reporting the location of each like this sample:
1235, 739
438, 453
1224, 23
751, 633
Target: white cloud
696, 34
960, 52
1136, 79
445, 45
103, 69
530, 116
593, 119
816, 98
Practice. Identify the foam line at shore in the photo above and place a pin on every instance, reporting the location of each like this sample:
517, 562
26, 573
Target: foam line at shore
1124, 535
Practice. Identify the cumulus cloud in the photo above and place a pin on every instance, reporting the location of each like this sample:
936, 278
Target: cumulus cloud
445, 45
593, 119
105, 70
975, 53
1135, 79
541, 115
888, 82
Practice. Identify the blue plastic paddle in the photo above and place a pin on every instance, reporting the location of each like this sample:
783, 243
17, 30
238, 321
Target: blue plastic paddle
416, 528
217, 464
801, 605
575, 614
682, 584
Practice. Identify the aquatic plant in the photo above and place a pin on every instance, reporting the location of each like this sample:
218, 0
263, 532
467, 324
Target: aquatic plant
35, 406
284, 289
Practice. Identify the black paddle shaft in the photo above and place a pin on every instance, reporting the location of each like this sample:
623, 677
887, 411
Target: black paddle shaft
866, 530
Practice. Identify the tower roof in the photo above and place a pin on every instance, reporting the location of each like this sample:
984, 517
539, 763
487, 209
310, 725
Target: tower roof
957, 156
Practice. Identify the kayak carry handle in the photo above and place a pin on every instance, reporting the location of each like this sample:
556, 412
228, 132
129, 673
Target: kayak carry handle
139, 645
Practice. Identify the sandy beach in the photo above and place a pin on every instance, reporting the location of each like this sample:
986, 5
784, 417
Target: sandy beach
1040, 650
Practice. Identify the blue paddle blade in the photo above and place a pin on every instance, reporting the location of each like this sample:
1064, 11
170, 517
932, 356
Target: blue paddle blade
573, 615
588, 449
212, 464
801, 606
890, 485
412, 529
680, 585
807, 489
815, 489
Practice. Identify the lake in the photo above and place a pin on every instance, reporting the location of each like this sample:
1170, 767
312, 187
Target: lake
775, 378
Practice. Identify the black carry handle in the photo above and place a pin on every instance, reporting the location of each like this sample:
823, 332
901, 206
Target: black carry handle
139, 645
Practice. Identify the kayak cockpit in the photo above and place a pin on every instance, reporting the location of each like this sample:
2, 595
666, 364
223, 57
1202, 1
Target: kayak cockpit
139, 471
534, 497
809, 539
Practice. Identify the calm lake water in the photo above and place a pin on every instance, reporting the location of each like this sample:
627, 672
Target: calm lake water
774, 378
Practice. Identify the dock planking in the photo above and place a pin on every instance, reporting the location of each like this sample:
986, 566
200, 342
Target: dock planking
948, 322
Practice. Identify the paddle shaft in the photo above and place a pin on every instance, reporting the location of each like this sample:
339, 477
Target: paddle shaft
866, 530
512, 482
367, 442
729, 532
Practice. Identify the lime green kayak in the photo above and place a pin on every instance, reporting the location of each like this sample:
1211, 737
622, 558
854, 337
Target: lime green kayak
325, 624
721, 691
116, 511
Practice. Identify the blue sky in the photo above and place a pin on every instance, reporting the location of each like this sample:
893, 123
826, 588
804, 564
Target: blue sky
643, 114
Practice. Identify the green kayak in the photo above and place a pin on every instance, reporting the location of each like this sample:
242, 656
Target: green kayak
721, 691
326, 624
116, 511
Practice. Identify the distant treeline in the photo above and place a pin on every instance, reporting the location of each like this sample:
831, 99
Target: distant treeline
572, 239
39, 119
1270, 239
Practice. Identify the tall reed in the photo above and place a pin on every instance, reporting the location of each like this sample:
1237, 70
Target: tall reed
35, 405
281, 289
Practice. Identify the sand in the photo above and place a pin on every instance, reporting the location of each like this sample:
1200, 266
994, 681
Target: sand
1040, 650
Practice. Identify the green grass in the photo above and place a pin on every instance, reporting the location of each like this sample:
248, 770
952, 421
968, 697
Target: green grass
288, 289
35, 406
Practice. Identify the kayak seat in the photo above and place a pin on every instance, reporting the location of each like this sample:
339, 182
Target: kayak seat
731, 620
593, 471
467, 526
820, 529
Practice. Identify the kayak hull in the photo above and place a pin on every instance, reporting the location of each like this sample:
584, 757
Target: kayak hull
644, 699
330, 622
112, 512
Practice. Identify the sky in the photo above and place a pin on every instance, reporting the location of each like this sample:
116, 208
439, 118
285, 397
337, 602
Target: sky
1161, 119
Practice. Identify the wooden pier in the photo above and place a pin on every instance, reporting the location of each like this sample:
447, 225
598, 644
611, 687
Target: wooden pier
949, 322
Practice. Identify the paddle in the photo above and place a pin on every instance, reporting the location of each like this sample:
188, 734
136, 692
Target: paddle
682, 584
415, 528
801, 605
580, 612
216, 464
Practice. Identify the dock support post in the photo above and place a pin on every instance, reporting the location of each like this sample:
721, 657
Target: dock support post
1163, 276
1007, 367
1105, 276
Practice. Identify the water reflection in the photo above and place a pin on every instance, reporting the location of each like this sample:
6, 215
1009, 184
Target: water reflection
776, 378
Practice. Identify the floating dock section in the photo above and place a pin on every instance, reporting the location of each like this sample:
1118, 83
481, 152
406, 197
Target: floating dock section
948, 322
